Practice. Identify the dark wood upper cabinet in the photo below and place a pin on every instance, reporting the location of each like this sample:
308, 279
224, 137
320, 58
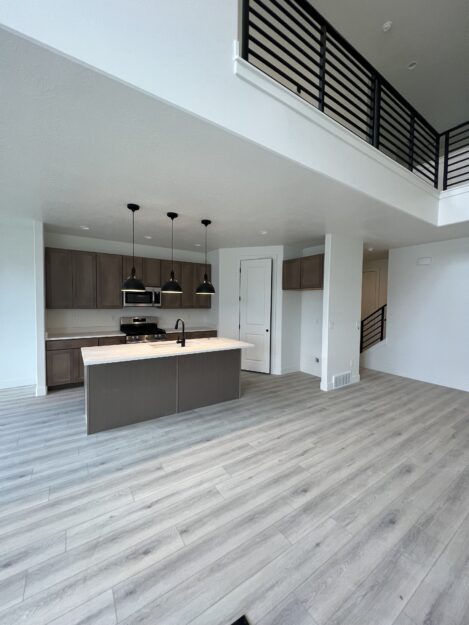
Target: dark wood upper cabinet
291, 274
151, 272
77, 279
108, 281
303, 273
127, 267
188, 285
84, 279
201, 301
169, 300
59, 278
312, 272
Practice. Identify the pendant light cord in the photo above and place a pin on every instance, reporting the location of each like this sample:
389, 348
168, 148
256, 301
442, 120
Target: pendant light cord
172, 246
133, 272
206, 250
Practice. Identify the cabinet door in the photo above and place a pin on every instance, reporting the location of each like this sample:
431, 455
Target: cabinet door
84, 279
59, 278
291, 274
151, 272
312, 272
187, 283
169, 300
61, 366
109, 280
201, 301
127, 267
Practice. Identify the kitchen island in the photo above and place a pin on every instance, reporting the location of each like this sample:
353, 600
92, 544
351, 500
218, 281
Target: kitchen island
126, 384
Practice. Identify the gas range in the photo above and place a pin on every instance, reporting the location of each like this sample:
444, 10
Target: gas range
141, 329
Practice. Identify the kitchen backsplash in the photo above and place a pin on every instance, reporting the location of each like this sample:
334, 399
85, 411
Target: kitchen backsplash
109, 319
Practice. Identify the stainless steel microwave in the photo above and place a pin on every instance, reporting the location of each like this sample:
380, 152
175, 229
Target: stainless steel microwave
150, 297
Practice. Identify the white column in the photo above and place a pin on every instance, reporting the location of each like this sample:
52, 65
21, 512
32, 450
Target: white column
341, 309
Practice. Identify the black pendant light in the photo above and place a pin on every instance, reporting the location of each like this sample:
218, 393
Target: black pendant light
172, 286
205, 287
132, 283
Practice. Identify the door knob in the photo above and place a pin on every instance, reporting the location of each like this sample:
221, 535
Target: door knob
267, 330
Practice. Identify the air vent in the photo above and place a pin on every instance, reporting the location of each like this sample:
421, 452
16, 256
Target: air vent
342, 379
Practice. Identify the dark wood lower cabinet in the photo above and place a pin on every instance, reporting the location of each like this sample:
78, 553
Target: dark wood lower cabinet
61, 367
64, 364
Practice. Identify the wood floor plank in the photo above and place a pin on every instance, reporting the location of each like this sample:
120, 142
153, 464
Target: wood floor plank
295, 506
289, 612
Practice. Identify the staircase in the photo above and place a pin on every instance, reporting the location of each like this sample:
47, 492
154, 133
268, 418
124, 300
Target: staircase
373, 328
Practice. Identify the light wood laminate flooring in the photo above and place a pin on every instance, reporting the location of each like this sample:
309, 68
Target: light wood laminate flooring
292, 506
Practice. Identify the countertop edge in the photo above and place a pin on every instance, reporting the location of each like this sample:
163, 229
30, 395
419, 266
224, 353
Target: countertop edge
90, 361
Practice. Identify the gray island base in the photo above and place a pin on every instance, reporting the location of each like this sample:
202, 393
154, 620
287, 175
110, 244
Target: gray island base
126, 384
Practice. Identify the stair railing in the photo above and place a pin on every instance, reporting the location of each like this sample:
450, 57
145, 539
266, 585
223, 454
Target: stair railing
373, 328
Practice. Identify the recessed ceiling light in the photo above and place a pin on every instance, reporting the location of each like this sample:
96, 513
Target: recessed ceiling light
85, 227
263, 231
197, 244
387, 26
412, 65
147, 236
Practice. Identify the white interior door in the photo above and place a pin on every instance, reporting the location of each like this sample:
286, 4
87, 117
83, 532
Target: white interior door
255, 313
370, 292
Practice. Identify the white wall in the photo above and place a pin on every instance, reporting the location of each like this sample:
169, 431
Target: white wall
343, 264
123, 39
228, 295
291, 331
427, 334
109, 319
311, 332
21, 260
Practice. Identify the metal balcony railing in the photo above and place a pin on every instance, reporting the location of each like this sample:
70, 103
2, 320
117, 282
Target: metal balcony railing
292, 43
456, 164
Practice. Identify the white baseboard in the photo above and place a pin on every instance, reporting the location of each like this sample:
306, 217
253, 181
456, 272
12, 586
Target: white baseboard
16, 382
41, 390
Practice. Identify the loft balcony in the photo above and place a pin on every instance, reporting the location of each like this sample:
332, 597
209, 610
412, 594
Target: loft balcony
294, 45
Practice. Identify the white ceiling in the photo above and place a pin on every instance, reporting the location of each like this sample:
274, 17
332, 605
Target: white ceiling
77, 146
435, 33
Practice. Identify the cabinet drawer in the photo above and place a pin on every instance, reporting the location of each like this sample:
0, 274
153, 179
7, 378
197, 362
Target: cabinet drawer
71, 344
111, 340
202, 334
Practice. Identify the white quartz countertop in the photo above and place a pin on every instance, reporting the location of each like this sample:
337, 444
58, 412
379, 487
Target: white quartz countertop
143, 351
